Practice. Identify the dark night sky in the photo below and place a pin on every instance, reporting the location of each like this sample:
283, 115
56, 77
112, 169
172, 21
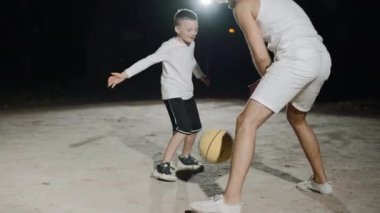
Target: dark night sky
53, 50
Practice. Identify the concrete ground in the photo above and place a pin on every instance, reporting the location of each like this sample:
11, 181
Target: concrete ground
98, 158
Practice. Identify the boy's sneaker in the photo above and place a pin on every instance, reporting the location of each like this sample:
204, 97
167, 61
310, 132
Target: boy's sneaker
189, 163
311, 185
215, 204
164, 172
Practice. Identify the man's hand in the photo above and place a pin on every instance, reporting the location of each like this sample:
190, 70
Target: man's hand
115, 79
253, 86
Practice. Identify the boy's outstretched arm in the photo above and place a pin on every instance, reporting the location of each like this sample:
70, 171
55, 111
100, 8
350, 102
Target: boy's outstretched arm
116, 78
139, 66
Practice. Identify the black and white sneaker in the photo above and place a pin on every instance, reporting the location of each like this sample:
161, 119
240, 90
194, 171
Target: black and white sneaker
188, 163
164, 172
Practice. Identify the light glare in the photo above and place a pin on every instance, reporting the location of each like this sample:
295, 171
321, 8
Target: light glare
206, 2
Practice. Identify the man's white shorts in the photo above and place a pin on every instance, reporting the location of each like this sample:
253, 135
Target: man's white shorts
294, 77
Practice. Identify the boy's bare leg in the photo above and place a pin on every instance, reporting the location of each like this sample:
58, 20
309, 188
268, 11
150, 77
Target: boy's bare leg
174, 142
252, 117
308, 141
188, 145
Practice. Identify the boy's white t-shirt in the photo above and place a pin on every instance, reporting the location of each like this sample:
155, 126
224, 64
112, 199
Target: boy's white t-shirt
178, 66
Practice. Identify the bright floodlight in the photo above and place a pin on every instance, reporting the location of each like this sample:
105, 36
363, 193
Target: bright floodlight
206, 2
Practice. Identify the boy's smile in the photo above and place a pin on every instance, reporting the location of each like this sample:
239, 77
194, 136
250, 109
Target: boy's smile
187, 30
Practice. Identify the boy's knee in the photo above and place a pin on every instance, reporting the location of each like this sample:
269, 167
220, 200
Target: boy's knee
180, 134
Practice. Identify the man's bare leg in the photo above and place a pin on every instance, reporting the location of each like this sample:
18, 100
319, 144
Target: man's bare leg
308, 141
252, 117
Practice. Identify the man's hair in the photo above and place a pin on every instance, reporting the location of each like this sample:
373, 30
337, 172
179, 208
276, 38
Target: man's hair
183, 14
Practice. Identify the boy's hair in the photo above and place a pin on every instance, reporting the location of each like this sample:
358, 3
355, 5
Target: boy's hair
183, 14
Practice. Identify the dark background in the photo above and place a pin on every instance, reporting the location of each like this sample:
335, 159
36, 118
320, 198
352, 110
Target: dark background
62, 51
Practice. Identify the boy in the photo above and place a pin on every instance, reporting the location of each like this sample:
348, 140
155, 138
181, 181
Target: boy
178, 65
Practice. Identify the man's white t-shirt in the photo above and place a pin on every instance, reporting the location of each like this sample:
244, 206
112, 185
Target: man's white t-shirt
178, 66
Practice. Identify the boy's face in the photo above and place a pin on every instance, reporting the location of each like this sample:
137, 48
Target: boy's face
187, 30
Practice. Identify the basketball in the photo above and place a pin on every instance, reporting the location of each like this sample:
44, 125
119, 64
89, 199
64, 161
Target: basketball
215, 145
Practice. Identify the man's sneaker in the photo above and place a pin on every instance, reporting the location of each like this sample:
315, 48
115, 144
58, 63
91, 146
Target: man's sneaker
164, 172
215, 204
189, 163
311, 185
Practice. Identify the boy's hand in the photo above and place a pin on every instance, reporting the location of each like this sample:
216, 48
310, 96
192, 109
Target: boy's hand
115, 79
205, 80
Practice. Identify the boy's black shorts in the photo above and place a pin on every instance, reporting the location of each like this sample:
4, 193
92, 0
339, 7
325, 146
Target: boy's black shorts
183, 115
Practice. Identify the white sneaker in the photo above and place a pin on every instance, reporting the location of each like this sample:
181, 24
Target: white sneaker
311, 185
215, 204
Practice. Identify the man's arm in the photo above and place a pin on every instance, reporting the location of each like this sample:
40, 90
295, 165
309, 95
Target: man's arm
259, 53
